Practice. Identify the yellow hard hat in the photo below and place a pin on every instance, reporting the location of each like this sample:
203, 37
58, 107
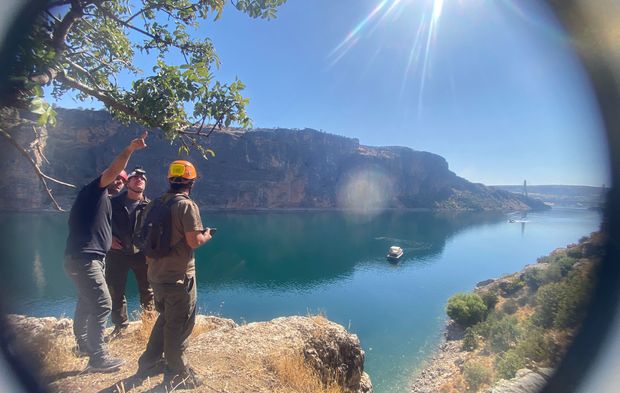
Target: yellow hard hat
181, 171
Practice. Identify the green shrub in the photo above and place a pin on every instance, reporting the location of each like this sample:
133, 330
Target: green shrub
510, 306
565, 263
547, 301
483, 328
508, 364
476, 375
512, 287
466, 309
534, 345
573, 301
504, 333
574, 252
470, 340
534, 278
490, 299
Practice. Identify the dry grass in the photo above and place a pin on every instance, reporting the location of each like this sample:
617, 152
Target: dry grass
148, 319
54, 355
295, 375
200, 328
455, 384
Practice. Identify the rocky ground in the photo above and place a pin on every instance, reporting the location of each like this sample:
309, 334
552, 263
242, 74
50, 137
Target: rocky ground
442, 373
289, 354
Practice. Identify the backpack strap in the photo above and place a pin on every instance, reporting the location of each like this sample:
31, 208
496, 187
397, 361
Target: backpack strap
170, 203
175, 199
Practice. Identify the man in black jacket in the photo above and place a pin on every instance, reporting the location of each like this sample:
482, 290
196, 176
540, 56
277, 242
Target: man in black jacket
127, 209
90, 238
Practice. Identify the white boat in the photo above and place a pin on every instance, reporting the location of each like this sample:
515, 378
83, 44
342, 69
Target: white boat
394, 254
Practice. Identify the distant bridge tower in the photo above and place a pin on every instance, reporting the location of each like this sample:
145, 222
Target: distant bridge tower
525, 188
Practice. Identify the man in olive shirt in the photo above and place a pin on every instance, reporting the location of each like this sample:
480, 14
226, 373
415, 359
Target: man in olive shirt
90, 238
173, 279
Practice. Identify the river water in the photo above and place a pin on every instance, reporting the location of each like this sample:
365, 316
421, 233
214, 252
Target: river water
262, 265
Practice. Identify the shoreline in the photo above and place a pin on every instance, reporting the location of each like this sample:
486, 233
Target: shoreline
319, 209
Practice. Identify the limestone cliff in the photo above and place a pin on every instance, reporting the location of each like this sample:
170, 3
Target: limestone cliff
262, 168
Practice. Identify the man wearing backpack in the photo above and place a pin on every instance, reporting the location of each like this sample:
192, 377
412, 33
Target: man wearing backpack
171, 272
90, 238
127, 209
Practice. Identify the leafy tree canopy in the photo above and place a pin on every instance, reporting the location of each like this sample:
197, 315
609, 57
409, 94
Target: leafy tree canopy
87, 45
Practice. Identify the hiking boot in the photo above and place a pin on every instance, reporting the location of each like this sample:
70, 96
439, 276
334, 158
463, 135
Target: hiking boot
155, 369
104, 364
186, 380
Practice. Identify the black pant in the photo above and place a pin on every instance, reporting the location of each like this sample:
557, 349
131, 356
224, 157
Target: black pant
93, 302
117, 269
176, 304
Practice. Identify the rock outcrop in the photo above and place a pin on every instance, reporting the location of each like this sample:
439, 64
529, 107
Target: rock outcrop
280, 355
526, 381
255, 169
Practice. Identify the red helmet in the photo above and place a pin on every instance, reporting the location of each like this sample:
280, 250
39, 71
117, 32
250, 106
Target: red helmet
123, 175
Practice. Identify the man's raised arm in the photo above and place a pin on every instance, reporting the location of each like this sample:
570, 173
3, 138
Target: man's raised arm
120, 162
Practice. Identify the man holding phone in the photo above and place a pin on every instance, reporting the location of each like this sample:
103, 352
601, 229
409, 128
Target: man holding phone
172, 277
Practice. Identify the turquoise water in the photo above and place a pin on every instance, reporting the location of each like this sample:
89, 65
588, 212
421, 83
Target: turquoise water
264, 265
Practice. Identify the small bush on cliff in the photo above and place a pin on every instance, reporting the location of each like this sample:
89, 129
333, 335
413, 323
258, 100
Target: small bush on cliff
510, 306
547, 301
476, 375
466, 309
534, 346
470, 339
490, 299
504, 333
534, 278
574, 299
508, 364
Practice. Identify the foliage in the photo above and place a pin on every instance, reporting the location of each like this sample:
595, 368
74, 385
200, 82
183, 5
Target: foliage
510, 306
503, 333
574, 252
534, 345
466, 309
547, 300
563, 305
476, 375
88, 46
470, 339
490, 299
513, 286
534, 278
508, 364
573, 303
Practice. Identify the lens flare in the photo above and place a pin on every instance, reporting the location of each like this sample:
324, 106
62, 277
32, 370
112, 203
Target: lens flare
422, 43
353, 35
367, 191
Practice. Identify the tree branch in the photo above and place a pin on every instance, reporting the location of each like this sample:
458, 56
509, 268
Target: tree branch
58, 43
60, 34
106, 99
42, 177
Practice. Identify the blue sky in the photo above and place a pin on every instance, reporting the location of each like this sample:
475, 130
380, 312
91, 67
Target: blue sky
492, 86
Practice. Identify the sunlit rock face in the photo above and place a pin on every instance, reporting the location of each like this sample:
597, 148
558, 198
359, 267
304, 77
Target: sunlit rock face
264, 168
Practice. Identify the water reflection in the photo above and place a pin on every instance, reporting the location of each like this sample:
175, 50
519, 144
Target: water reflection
276, 250
304, 249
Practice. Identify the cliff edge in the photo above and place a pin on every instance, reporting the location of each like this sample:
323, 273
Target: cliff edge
288, 354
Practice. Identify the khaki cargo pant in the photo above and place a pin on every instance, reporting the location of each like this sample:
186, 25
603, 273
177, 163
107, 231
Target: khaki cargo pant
176, 304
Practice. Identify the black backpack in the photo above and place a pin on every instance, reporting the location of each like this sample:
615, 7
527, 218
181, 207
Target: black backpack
155, 236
